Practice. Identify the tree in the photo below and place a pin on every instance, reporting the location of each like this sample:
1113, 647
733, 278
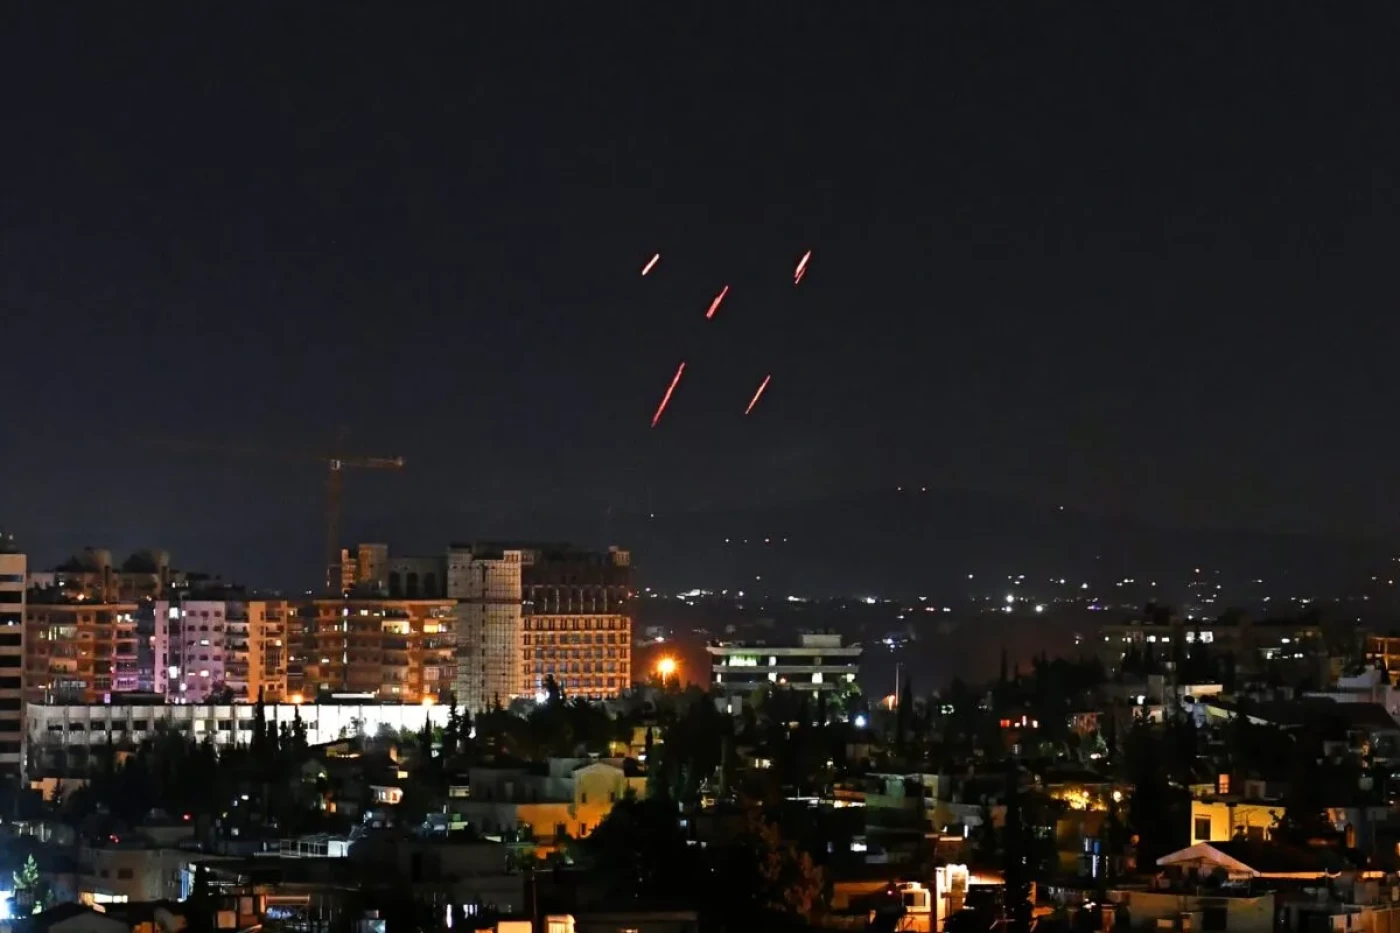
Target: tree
763, 881
640, 854
27, 882
1153, 810
1016, 859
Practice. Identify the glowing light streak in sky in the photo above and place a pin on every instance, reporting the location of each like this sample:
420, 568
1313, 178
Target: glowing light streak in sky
666, 399
648, 267
714, 305
761, 386
801, 268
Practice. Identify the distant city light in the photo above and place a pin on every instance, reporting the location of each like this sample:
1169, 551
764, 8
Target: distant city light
1010, 598
1039, 607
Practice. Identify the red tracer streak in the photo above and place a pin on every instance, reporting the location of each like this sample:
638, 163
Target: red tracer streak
801, 267
761, 386
654, 260
666, 399
714, 305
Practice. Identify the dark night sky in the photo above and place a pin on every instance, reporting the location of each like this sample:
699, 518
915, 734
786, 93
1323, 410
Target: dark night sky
1133, 257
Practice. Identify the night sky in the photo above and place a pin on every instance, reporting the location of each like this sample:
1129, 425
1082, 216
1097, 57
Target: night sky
1135, 258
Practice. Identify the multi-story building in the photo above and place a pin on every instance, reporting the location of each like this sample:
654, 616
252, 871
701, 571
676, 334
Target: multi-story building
364, 567
526, 613
487, 585
78, 650
145, 575
222, 645
418, 577
1253, 644
395, 649
54, 727
817, 662
12, 606
269, 630
578, 622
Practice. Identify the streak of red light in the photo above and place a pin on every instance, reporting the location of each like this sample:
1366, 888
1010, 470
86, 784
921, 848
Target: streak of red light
666, 399
801, 269
654, 260
714, 305
761, 386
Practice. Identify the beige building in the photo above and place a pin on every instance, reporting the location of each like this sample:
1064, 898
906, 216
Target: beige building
396, 649
487, 587
12, 663
525, 614
567, 797
78, 650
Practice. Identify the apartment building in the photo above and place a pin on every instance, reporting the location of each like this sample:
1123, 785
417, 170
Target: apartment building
144, 575
78, 650
12, 609
394, 649
487, 586
525, 613
221, 645
365, 566
578, 622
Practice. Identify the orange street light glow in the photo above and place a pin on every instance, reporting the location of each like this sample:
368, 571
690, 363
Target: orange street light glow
666, 666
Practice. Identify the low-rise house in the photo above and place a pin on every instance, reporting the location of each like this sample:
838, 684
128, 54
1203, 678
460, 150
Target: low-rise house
132, 868
562, 797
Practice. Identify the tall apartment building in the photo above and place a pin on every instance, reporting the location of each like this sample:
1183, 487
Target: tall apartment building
364, 567
487, 584
578, 622
216, 643
395, 649
12, 609
78, 650
525, 613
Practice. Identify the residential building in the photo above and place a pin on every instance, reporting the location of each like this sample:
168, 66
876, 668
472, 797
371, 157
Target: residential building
819, 661
418, 577
393, 649
527, 613
1224, 820
145, 575
564, 797
217, 644
12, 611
1253, 644
578, 622
268, 631
364, 567
78, 649
487, 585
129, 868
